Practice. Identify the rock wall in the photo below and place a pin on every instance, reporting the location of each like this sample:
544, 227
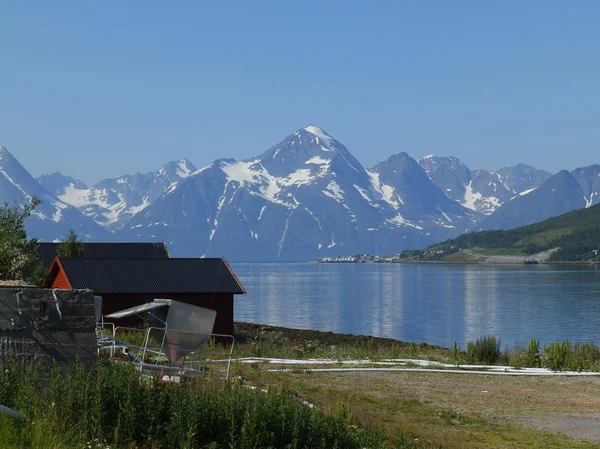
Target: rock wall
36, 328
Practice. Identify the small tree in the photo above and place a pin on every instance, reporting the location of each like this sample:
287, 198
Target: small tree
18, 255
71, 247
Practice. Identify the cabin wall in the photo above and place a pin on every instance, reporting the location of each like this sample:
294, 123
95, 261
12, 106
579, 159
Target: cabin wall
61, 281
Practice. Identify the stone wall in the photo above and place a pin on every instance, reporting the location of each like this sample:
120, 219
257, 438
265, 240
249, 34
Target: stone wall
34, 328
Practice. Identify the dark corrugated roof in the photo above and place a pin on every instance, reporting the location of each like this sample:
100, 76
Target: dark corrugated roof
152, 275
150, 250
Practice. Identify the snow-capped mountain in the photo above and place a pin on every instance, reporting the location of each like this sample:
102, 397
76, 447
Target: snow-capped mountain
112, 202
480, 190
53, 218
303, 198
588, 179
522, 177
558, 195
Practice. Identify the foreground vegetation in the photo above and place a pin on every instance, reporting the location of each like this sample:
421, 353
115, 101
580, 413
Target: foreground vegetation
576, 234
118, 408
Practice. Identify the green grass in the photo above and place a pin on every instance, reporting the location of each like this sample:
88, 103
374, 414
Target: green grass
399, 412
544, 237
262, 341
118, 408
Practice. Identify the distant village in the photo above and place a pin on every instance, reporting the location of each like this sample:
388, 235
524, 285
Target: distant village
363, 258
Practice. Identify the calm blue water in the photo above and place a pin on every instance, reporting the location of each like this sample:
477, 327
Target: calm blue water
430, 303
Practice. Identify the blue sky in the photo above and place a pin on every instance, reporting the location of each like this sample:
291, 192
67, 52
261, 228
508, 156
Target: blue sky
95, 89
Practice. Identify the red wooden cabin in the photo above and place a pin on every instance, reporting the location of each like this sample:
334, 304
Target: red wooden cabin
125, 283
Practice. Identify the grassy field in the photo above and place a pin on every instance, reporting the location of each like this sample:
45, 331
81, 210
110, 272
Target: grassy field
264, 408
455, 411
433, 409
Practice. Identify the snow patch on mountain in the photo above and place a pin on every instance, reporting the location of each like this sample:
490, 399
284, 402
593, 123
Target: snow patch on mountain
471, 197
385, 191
399, 220
317, 160
112, 202
183, 169
334, 191
268, 186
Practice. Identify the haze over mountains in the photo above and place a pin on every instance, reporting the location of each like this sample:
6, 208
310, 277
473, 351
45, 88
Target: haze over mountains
305, 197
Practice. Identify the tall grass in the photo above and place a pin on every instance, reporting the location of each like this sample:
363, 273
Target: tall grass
118, 408
566, 355
270, 343
484, 350
556, 356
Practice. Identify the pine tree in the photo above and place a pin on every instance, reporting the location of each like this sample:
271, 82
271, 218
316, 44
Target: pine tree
71, 247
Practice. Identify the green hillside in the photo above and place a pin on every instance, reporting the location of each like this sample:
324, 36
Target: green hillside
576, 233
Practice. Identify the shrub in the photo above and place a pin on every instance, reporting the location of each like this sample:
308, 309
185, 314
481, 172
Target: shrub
484, 350
533, 354
470, 352
556, 354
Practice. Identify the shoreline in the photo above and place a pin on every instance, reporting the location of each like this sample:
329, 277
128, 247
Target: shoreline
328, 337
459, 262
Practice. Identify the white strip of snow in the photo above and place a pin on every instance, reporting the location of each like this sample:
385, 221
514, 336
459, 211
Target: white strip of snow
363, 193
315, 218
283, 235
589, 202
426, 366
446, 371
15, 184
525, 192
262, 209
399, 220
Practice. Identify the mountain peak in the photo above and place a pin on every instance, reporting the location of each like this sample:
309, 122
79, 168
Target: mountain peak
317, 132
56, 182
321, 136
5, 152
179, 169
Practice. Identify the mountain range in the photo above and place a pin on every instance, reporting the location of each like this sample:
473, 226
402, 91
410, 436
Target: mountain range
303, 198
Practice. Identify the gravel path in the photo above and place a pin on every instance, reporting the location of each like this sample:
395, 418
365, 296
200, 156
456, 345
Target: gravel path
578, 426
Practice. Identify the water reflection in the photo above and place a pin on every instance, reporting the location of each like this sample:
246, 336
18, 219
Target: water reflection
436, 304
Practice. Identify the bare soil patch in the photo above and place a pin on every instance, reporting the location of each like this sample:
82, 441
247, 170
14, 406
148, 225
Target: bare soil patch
567, 405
